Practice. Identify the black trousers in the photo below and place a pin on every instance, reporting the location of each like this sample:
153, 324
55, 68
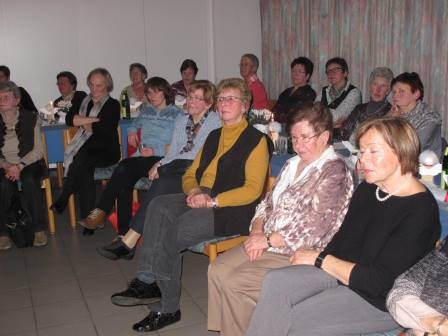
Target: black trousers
31, 196
121, 185
80, 177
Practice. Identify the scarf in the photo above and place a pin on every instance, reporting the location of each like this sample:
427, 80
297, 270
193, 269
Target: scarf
192, 130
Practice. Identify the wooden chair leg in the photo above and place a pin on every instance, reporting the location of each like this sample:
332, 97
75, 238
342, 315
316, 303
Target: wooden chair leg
60, 173
135, 195
72, 211
211, 250
49, 202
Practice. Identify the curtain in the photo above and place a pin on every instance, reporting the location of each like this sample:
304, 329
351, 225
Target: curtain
404, 35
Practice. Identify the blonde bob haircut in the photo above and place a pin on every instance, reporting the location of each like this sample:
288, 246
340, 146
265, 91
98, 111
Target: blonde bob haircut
238, 84
400, 136
208, 89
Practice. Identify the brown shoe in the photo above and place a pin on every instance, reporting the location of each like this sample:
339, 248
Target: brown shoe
95, 218
40, 239
5, 243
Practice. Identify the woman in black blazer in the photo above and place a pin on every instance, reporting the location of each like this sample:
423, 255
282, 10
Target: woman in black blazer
94, 145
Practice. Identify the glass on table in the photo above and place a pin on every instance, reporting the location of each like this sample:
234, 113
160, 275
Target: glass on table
281, 145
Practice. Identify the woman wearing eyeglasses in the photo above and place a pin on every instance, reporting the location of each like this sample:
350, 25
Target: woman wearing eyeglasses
156, 125
189, 135
340, 96
304, 210
221, 190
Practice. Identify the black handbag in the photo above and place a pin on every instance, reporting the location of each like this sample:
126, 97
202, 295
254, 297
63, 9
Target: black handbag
18, 222
175, 167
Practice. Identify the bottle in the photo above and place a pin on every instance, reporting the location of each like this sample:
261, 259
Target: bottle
125, 105
444, 183
272, 128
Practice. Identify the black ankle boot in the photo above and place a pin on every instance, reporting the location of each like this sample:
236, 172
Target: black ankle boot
60, 205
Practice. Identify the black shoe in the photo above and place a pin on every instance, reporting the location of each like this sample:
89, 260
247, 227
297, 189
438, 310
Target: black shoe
156, 321
116, 250
137, 293
88, 232
60, 205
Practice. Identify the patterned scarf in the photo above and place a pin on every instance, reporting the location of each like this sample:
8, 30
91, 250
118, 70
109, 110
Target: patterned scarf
192, 130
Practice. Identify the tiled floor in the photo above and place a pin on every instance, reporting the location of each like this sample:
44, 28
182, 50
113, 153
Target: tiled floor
64, 289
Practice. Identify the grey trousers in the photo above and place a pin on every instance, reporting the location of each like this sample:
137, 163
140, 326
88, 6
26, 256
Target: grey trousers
170, 228
304, 300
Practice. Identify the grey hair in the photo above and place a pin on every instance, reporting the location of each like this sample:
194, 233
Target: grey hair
382, 72
253, 59
107, 77
10, 87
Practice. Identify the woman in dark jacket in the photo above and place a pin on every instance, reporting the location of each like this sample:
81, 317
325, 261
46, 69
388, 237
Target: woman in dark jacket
95, 144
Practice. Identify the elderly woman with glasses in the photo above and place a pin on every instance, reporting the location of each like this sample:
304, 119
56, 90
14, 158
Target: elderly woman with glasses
391, 223
378, 106
304, 210
156, 124
70, 99
221, 190
340, 96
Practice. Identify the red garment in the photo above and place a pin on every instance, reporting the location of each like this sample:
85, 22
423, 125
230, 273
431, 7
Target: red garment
259, 96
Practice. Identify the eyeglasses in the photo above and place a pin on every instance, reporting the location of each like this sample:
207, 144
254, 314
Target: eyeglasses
6, 98
195, 98
331, 71
229, 99
304, 139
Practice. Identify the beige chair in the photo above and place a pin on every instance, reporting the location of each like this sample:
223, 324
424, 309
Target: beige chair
46, 185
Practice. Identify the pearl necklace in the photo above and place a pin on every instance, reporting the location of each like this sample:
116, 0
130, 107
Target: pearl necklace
388, 195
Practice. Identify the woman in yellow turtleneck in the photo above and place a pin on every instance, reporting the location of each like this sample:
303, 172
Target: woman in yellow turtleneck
221, 190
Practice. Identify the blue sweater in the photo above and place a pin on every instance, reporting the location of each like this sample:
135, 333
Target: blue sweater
156, 127
180, 137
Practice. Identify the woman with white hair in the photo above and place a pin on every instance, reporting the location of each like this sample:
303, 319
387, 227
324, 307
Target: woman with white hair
379, 87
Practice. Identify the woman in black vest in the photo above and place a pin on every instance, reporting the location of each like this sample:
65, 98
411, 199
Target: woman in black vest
221, 190
21, 164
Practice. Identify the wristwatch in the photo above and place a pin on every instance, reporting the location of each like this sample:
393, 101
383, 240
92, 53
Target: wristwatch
268, 238
214, 203
320, 259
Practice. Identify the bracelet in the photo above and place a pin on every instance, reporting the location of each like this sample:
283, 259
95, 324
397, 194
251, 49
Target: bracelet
320, 259
268, 238
214, 203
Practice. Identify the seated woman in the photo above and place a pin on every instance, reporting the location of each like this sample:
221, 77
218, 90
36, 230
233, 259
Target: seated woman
301, 71
248, 70
189, 135
340, 96
304, 210
188, 72
391, 223
20, 160
70, 99
136, 91
377, 107
156, 124
419, 298
95, 144
407, 95
221, 190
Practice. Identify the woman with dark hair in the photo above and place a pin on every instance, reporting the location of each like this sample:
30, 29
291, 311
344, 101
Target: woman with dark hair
70, 100
391, 223
304, 210
136, 91
188, 72
95, 144
300, 93
340, 96
156, 124
407, 96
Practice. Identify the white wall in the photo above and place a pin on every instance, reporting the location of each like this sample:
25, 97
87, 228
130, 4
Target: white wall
40, 38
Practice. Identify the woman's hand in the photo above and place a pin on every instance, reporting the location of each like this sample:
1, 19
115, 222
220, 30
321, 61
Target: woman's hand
146, 151
12, 172
304, 257
394, 111
199, 200
255, 245
133, 139
152, 173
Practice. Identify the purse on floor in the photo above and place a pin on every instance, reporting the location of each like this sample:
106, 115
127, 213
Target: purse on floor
18, 222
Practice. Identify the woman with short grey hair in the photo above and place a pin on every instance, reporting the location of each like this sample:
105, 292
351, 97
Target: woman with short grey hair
379, 87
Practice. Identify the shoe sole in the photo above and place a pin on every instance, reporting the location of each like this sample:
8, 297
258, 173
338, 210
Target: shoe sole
84, 225
123, 301
112, 256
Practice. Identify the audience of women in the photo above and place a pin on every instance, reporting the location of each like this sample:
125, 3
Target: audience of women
155, 125
136, 91
300, 93
20, 163
304, 210
189, 135
340, 96
188, 72
392, 222
378, 106
248, 70
25, 99
70, 99
419, 298
407, 95
221, 190
95, 144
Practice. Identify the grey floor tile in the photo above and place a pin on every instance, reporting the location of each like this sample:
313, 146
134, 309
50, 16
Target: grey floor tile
192, 330
13, 280
103, 285
61, 313
95, 266
15, 299
44, 293
76, 329
17, 321
203, 304
100, 306
50, 274
115, 325
25, 333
